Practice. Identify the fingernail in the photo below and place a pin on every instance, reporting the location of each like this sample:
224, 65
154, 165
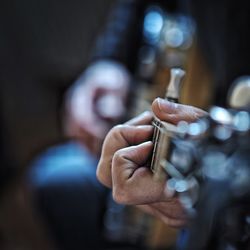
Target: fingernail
165, 105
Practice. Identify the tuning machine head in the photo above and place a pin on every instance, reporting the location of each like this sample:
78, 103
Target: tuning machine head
173, 89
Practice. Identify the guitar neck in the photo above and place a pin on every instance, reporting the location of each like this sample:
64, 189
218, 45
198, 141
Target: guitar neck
162, 130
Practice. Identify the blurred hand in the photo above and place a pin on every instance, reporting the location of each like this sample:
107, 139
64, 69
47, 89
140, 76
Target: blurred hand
125, 153
96, 102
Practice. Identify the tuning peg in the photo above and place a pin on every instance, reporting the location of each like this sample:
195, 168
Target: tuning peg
173, 89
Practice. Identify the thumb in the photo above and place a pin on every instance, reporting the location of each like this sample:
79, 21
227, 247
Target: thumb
174, 112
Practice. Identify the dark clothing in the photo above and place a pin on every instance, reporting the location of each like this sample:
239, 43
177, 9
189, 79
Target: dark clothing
44, 46
224, 41
70, 198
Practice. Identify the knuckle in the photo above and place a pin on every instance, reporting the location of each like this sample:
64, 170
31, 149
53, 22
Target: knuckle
120, 196
123, 194
102, 177
117, 131
119, 157
99, 174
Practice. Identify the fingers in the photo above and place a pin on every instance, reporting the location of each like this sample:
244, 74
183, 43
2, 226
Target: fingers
131, 133
142, 119
132, 158
174, 113
175, 222
133, 182
119, 137
170, 221
160, 211
172, 208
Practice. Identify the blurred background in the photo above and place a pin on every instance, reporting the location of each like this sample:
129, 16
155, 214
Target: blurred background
44, 46
56, 56
69, 71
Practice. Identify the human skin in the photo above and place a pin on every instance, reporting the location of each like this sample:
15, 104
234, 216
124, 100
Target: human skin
123, 163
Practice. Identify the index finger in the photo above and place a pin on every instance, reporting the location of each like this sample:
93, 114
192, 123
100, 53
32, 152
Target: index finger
119, 137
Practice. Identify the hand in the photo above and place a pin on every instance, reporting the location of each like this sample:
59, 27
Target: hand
170, 212
96, 102
132, 132
122, 165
